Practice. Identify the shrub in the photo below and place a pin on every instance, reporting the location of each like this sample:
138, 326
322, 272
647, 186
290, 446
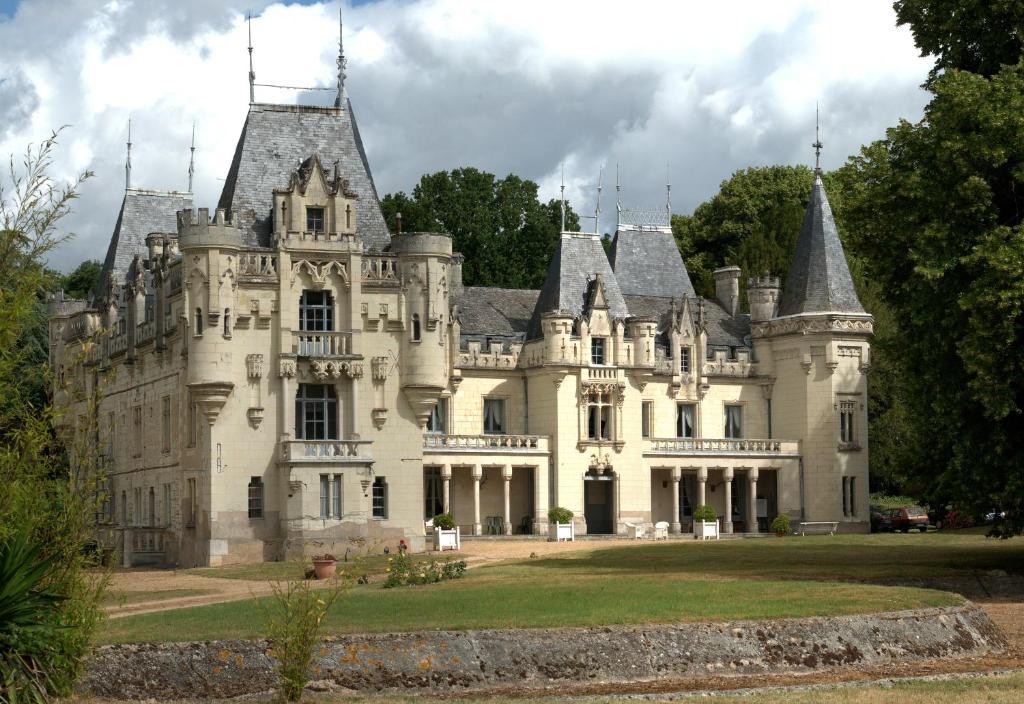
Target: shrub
560, 515
403, 572
444, 521
294, 618
780, 526
704, 513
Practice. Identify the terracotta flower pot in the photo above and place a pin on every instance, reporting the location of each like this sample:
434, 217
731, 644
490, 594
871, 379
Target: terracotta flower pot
325, 569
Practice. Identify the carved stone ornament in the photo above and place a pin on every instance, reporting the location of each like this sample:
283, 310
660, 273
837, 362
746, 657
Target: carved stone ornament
379, 417
286, 368
322, 369
254, 365
380, 367
255, 416
805, 326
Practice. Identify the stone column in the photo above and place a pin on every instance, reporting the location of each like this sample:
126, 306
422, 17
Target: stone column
540, 500
353, 416
506, 475
477, 474
727, 475
752, 500
287, 408
676, 526
702, 481
446, 481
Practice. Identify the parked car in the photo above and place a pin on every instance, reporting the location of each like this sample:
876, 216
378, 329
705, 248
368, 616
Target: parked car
908, 517
879, 519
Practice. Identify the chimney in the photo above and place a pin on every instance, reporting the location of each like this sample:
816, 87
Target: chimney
763, 295
398, 223
456, 273
727, 288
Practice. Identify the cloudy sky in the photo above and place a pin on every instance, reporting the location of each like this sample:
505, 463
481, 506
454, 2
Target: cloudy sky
519, 87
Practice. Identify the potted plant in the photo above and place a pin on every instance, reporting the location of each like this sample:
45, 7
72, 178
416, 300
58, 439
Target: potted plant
325, 566
705, 523
780, 526
560, 525
446, 533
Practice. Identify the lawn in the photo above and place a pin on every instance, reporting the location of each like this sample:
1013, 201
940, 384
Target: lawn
123, 598
628, 583
374, 565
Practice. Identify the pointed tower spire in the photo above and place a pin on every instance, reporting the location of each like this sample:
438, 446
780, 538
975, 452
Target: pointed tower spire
563, 196
817, 141
618, 199
668, 192
342, 62
192, 158
597, 210
252, 74
128, 160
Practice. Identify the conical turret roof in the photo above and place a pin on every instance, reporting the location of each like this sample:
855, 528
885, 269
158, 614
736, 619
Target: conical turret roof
819, 278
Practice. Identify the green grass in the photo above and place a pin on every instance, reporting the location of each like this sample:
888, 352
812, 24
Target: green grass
628, 583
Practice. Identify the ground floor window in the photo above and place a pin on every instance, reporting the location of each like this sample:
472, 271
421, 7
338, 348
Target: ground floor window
687, 496
256, 497
849, 492
380, 498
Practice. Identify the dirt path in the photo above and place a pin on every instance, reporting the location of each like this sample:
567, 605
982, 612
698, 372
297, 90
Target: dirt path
214, 590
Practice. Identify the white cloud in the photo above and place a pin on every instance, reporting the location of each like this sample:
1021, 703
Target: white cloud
509, 87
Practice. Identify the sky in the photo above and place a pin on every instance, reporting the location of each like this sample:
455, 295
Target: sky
684, 92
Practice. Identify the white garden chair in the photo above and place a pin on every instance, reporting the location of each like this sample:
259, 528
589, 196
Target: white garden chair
661, 530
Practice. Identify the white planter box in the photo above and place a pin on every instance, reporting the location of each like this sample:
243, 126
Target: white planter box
561, 531
447, 539
705, 530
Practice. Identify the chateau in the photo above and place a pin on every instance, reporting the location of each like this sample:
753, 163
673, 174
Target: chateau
286, 376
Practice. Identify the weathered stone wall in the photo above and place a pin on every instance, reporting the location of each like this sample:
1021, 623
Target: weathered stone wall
447, 660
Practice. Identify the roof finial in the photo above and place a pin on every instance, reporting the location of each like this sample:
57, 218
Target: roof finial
252, 74
817, 141
339, 101
563, 196
192, 158
618, 199
128, 161
668, 191
597, 211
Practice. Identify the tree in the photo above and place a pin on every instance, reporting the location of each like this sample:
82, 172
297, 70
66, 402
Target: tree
506, 234
936, 212
48, 490
81, 282
980, 36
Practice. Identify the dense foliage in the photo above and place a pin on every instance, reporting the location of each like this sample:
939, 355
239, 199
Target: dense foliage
506, 234
705, 513
560, 514
48, 489
403, 571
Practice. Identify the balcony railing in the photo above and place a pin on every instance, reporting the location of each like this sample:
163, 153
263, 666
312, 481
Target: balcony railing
438, 442
321, 344
722, 446
333, 451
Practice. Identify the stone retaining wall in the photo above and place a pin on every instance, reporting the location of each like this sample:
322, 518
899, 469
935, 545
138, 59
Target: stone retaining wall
456, 660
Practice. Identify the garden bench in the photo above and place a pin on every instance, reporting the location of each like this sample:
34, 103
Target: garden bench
820, 527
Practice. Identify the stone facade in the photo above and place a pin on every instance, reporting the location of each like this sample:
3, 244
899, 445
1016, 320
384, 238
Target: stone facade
284, 377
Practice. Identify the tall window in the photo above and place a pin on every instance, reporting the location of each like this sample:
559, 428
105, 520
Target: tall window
137, 428
646, 416
316, 412
433, 492
193, 418
597, 345
436, 422
416, 332
336, 501
137, 506
167, 504
325, 496
316, 314
227, 322
380, 497
734, 421
199, 321
599, 416
256, 497
685, 420
849, 492
685, 360
494, 416
846, 412
165, 423
124, 509
314, 219
111, 435
190, 502
151, 508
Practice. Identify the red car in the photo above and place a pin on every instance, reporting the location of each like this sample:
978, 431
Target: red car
903, 519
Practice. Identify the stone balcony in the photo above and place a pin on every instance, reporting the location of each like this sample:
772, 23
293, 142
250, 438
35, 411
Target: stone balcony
327, 451
321, 344
439, 443
721, 447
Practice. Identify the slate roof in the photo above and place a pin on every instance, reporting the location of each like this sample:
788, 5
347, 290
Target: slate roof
142, 212
577, 259
819, 279
647, 263
274, 141
495, 312
723, 330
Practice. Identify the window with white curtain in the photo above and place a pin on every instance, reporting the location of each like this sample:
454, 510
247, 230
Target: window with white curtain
494, 416
734, 421
686, 426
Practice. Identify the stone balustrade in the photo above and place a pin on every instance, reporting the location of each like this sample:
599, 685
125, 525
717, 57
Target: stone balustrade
321, 344
721, 446
332, 451
145, 332
380, 270
439, 442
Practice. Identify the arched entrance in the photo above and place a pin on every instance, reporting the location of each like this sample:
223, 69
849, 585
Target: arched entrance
599, 501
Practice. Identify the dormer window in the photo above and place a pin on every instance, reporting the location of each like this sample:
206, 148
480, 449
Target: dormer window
685, 360
314, 219
597, 350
